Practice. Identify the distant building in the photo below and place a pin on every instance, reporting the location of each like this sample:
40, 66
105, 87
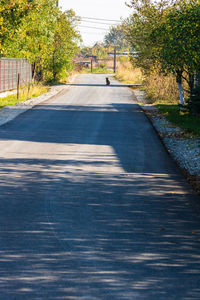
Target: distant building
111, 54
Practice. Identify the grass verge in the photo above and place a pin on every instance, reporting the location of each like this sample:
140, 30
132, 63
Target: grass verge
191, 124
26, 92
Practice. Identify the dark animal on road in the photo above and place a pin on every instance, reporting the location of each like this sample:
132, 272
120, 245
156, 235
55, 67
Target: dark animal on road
107, 81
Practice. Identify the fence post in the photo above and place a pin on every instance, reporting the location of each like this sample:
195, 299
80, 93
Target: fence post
18, 81
115, 60
91, 65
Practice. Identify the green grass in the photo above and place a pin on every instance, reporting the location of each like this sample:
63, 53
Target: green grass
97, 71
34, 91
191, 124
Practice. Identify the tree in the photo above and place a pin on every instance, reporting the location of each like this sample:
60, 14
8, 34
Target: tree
166, 35
179, 36
147, 16
44, 35
12, 13
116, 38
65, 43
99, 50
34, 37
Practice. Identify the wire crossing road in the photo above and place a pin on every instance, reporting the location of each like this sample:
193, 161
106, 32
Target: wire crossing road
91, 205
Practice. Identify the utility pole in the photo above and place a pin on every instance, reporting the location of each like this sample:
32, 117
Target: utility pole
115, 60
91, 65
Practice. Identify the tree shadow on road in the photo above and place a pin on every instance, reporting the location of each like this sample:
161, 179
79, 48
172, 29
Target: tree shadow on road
65, 234
129, 135
120, 230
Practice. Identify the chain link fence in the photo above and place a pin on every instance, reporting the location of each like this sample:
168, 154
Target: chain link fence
10, 70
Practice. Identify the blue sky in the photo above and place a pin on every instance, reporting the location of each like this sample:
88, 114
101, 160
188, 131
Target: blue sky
100, 9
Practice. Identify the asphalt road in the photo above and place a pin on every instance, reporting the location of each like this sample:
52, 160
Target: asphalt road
91, 205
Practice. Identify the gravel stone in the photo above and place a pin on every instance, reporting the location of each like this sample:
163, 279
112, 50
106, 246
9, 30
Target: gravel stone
185, 151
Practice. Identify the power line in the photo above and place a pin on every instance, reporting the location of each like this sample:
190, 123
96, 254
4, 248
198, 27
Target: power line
93, 33
93, 27
101, 19
109, 24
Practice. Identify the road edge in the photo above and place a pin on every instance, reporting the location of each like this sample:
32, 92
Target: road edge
194, 180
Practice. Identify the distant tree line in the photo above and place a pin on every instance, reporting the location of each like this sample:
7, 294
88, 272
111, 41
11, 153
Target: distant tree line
40, 32
115, 38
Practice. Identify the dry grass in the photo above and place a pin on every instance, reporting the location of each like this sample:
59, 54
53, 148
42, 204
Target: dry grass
162, 89
129, 74
159, 88
108, 63
26, 92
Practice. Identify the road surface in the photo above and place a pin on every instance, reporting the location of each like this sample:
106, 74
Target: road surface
91, 205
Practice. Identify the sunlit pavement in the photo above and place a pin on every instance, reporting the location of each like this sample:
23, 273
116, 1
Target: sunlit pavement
92, 206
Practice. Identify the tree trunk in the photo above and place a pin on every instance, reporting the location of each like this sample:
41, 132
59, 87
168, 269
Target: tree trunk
191, 82
197, 80
39, 75
181, 93
33, 71
180, 87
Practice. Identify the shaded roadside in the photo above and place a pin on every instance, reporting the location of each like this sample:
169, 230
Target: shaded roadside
184, 149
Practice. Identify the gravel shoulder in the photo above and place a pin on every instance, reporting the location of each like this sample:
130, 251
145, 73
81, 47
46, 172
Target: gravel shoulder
184, 149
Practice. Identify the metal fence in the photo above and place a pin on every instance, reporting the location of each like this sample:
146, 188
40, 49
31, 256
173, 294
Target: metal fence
9, 70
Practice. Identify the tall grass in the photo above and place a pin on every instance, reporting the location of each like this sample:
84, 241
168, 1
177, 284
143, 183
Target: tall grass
160, 88
129, 74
